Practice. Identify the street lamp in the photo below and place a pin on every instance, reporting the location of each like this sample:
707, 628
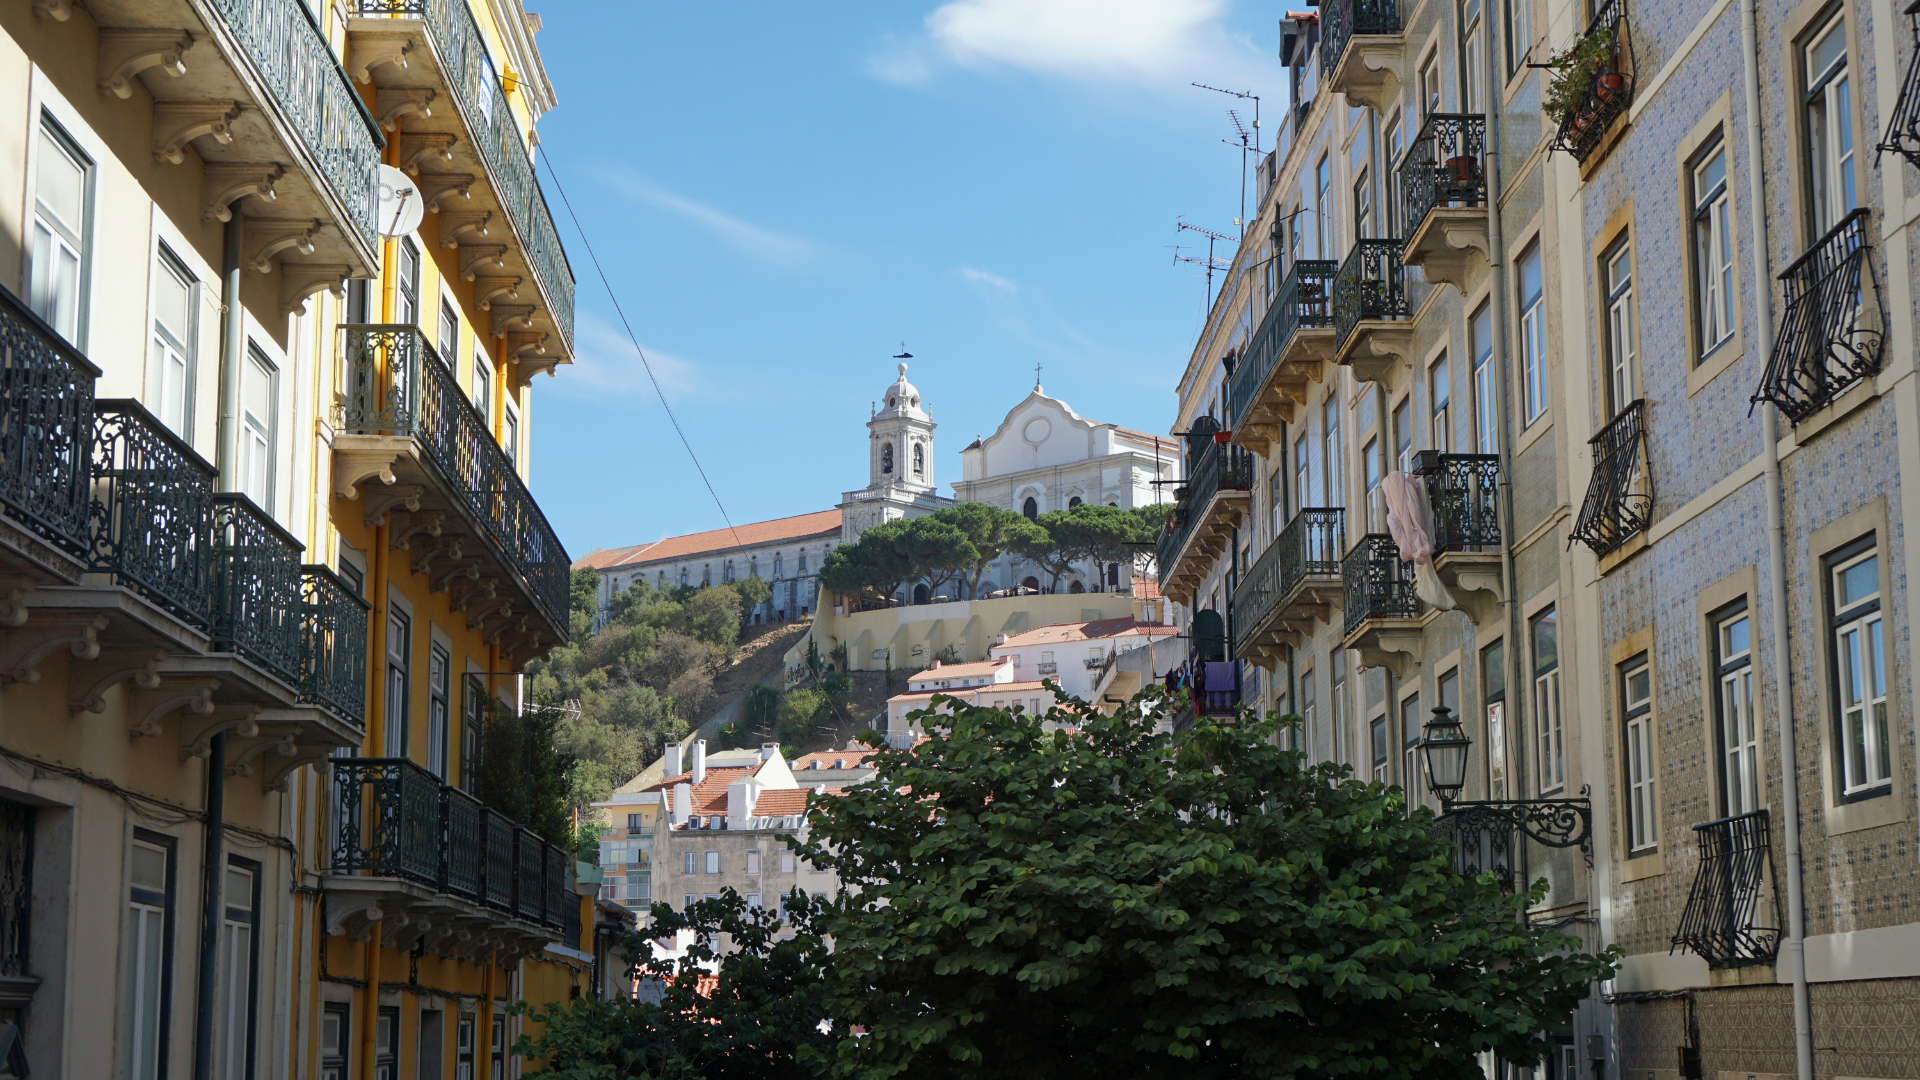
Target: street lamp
1444, 748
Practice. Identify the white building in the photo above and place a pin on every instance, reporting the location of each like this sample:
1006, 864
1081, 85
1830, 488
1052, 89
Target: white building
1075, 655
785, 552
899, 464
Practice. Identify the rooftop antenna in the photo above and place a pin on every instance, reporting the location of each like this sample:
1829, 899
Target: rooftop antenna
1245, 137
1209, 262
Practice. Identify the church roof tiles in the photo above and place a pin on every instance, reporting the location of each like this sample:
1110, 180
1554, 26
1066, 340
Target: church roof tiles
716, 541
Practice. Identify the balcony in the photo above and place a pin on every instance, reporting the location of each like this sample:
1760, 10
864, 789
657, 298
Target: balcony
1372, 316
1463, 491
1619, 502
439, 89
436, 870
257, 93
1287, 355
1361, 45
1726, 921
1047, 668
46, 420
1382, 610
471, 525
1212, 686
1903, 126
1443, 199
1831, 336
333, 646
1294, 584
1207, 508
1600, 67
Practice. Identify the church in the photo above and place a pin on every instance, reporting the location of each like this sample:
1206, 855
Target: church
1043, 456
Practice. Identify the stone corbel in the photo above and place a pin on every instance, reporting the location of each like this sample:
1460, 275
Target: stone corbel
525, 370
526, 345
467, 570
476, 589
301, 280
275, 771
196, 740
424, 554
227, 183
374, 48
1477, 587
518, 625
146, 708
417, 524
13, 600
475, 258
354, 466
463, 226
283, 745
1382, 346
57, 10
488, 289
508, 317
1396, 650
435, 186
407, 495
352, 917
479, 614
390, 103
177, 123
88, 683
1460, 256
403, 932
23, 650
419, 146
275, 235
1373, 79
124, 54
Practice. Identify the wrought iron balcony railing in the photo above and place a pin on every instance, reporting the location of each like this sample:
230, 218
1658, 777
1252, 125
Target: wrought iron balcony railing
399, 386
152, 512
1730, 895
257, 588
1375, 583
1464, 492
1831, 336
1305, 300
484, 104
396, 820
1619, 501
291, 57
1445, 167
333, 646
1340, 20
1610, 92
46, 428
1490, 837
1903, 125
1371, 284
1048, 668
1310, 546
1218, 467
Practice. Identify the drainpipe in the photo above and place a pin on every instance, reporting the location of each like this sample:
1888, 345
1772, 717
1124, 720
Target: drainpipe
1795, 948
205, 977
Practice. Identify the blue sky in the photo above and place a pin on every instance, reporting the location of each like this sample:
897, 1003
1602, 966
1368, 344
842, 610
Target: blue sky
781, 193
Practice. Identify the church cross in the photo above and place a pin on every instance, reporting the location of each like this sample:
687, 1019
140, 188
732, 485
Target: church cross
1036, 376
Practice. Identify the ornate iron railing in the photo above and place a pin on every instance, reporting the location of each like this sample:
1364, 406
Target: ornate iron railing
529, 894
290, 56
258, 610
1341, 19
1610, 92
557, 864
1464, 492
333, 645
1445, 167
1310, 546
16, 886
1721, 923
46, 428
1371, 284
497, 880
483, 103
1903, 124
1483, 836
1823, 349
1375, 583
463, 819
152, 511
1305, 299
1619, 500
398, 386
1218, 467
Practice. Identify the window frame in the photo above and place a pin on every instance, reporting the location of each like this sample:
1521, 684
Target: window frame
1486, 398
1736, 747
232, 915
1531, 320
449, 331
1440, 404
406, 283
336, 1066
162, 341
1493, 700
439, 709
1710, 239
1618, 321
1550, 738
399, 682
1412, 781
1858, 616
55, 137
164, 906
1823, 206
1639, 771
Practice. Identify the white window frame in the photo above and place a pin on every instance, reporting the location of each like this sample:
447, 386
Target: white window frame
258, 435
54, 242
439, 708
1549, 729
1712, 249
1738, 738
1486, 417
239, 970
399, 681
713, 862
171, 351
1623, 383
149, 951
1860, 681
1636, 707
1832, 158
1533, 335
1440, 405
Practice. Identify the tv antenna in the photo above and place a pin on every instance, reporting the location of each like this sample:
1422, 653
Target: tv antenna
1246, 137
1210, 262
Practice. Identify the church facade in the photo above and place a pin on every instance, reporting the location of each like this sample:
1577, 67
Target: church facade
899, 464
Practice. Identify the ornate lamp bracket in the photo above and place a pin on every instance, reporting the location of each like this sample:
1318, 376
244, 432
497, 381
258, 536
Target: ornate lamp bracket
1555, 823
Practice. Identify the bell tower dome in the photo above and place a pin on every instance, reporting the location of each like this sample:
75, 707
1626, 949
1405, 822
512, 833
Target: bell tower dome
901, 438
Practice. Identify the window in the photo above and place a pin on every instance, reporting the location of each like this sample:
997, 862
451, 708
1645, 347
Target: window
358, 299
713, 862
1333, 461
1030, 508
399, 631
1392, 142
886, 457
258, 391
239, 963
1533, 334
1439, 393
1403, 435
439, 708
920, 461
472, 719
406, 299
1493, 677
1309, 707
449, 331
510, 433
463, 1048
1712, 250
1622, 382
786, 862
753, 862
753, 901
1475, 59
170, 363
386, 1043
687, 901
1413, 781
149, 961
1486, 418
1302, 473
429, 1053
1363, 205
1336, 699
482, 383
1376, 510
1546, 702
1276, 503
1829, 126
1322, 222
335, 1031
1431, 99
689, 868
56, 271
1636, 708
1519, 32
1378, 729
497, 1050
1860, 669
1736, 738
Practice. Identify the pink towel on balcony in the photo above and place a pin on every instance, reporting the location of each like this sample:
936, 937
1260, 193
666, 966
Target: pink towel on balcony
1410, 520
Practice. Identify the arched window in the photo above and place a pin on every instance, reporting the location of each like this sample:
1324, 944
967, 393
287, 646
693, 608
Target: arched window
753, 566
803, 560
662, 580
726, 574
1073, 502
920, 593
919, 460
1030, 508
1031, 583
886, 457
683, 575
776, 565
1076, 587
706, 574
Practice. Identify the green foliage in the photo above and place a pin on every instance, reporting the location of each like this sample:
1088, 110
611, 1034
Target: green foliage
1110, 901
760, 712
752, 592
524, 772
1573, 73
583, 592
760, 1020
991, 531
875, 565
802, 713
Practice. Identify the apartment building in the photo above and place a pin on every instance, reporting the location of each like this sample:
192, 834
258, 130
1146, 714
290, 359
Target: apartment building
270, 556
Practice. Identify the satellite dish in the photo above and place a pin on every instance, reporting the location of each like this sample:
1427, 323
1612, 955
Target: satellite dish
401, 206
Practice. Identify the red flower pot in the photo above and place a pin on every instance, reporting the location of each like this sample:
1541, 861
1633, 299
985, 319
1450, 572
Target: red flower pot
1608, 84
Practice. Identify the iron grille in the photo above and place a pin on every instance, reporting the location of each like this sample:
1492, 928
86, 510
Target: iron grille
1619, 499
464, 845
1213, 468
1730, 889
570, 925
257, 585
46, 426
1304, 300
529, 895
1464, 492
498, 868
389, 824
399, 386
559, 872
1371, 284
1341, 19
1610, 92
16, 886
1445, 167
152, 511
1903, 126
1483, 845
1375, 583
1823, 349
1489, 837
333, 646
1309, 546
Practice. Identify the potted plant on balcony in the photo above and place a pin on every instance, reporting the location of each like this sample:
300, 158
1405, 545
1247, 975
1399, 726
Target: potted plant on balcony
1577, 71
1373, 295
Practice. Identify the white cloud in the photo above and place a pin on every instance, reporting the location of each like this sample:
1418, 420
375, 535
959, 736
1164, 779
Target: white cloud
989, 279
742, 234
605, 364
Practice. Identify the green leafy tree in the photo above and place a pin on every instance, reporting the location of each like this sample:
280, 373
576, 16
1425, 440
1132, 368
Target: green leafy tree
1086, 533
523, 770
753, 591
583, 601
1107, 901
1148, 523
802, 714
760, 712
992, 531
876, 565
936, 550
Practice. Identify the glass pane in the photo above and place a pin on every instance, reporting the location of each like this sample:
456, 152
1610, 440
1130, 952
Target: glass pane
149, 870
1733, 639
1709, 177
170, 299
1826, 52
1637, 687
1546, 650
61, 184
1858, 582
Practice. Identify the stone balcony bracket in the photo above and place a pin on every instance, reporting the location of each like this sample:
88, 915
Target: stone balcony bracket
23, 650
406, 915
358, 461
424, 554
509, 317
421, 146
1375, 347
488, 289
482, 589
240, 763
13, 600
406, 496
525, 370
271, 236
196, 737
479, 614
226, 184
177, 123
370, 49
468, 570
457, 226
527, 345
1475, 582
124, 54
391, 103
88, 681
1394, 648
436, 186
417, 524
1450, 246
146, 708
517, 626
299, 281
1369, 72
476, 259
57, 10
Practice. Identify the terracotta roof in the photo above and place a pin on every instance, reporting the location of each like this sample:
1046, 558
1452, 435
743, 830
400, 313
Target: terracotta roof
798, 527
959, 671
976, 691
853, 759
709, 795
1088, 631
781, 802
1146, 589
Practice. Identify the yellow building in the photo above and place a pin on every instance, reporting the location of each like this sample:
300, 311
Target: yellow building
267, 554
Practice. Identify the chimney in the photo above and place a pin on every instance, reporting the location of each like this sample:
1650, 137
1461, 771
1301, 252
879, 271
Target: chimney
699, 761
672, 761
740, 800
769, 751
682, 803
936, 665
